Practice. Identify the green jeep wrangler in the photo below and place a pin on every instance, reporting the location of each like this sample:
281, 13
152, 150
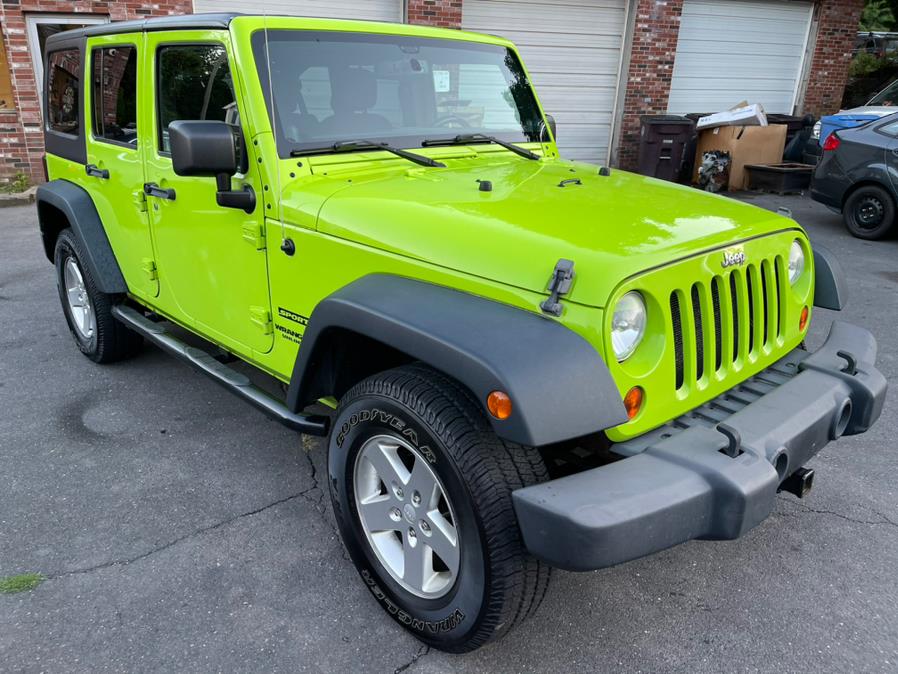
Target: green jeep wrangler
531, 362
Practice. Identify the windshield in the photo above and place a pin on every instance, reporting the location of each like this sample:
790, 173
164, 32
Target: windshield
330, 87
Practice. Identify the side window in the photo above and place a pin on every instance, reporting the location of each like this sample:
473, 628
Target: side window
193, 82
63, 106
114, 94
889, 129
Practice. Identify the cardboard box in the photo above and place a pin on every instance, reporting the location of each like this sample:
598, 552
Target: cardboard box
746, 145
741, 115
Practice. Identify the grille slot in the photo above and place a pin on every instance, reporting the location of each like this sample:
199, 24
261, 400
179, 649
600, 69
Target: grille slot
765, 308
699, 332
677, 324
734, 300
718, 323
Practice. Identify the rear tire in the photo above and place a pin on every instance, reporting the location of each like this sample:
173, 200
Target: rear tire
425, 429
869, 213
88, 311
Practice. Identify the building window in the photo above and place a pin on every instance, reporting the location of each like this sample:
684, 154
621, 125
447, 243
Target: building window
114, 94
62, 90
7, 102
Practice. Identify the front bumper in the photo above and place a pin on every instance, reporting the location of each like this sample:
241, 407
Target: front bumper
678, 482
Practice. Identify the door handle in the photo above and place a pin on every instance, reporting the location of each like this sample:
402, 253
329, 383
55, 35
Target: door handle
153, 190
96, 171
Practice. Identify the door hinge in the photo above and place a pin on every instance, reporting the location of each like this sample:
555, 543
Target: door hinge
254, 234
559, 284
261, 316
149, 268
140, 201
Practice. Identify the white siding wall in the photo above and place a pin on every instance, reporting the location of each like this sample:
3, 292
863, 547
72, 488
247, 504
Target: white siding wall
371, 10
572, 49
734, 50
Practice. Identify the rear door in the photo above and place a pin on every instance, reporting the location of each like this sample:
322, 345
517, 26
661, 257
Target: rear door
211, 260
114, 172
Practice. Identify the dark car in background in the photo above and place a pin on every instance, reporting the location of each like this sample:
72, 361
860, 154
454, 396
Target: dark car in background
857, 176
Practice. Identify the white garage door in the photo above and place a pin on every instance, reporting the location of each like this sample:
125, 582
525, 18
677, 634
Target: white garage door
572, 49
734, 50
371, 10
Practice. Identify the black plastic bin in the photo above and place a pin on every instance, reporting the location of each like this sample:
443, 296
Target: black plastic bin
779, 178
663, 145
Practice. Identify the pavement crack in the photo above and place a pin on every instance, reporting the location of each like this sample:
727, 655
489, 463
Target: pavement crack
181, 539
807, 509
319, 502
424, 650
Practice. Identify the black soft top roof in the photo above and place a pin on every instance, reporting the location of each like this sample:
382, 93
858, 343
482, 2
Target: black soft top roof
184, 21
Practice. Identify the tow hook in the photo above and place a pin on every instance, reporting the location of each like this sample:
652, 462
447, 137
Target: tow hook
799, 483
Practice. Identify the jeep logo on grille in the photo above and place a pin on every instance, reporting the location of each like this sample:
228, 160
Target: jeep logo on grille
733, 257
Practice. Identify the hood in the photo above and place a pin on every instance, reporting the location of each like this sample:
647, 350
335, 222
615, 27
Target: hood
536, 213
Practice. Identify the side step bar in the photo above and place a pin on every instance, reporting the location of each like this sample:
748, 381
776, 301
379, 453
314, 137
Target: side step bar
232, 380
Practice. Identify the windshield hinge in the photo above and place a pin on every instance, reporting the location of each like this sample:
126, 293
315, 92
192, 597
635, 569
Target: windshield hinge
559, 284
254, 234
262, 318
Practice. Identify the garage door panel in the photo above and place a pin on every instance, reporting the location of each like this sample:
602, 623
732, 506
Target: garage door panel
733, 50
368, 10
572, 50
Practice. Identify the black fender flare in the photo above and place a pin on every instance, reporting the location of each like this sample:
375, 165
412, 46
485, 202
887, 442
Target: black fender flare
558, 383
78, 208
830, 288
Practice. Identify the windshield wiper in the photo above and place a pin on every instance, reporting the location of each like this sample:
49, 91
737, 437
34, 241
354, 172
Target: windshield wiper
465, 138
362, 145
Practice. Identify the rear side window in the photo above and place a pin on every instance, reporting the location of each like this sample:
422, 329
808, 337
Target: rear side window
63, 106
193, 82
114, 94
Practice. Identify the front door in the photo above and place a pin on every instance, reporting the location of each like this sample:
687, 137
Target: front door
210, 260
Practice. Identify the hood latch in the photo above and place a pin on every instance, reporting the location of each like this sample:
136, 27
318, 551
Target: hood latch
559, 284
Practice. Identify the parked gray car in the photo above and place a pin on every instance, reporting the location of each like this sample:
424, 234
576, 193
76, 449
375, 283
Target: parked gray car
857, 176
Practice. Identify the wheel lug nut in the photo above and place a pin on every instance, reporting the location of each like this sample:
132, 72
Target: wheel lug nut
399, 493
425, 527
395, 515
416, 499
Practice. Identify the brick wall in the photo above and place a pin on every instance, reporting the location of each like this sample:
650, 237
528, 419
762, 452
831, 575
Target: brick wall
837, 24
441, 13
21, 135
655, 35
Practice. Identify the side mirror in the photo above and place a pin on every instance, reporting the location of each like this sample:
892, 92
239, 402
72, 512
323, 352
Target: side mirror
550, 120
214, 149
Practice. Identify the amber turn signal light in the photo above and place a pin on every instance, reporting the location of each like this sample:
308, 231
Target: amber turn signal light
633, 401
499, 405
803, 319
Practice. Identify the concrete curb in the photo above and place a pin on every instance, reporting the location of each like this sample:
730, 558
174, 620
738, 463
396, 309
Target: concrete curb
18, 199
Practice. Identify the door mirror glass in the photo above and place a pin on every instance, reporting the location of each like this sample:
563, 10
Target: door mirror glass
550, 121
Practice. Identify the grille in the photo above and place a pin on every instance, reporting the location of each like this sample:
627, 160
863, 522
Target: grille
719, 322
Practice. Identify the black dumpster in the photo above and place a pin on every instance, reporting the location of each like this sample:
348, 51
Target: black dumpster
663, 145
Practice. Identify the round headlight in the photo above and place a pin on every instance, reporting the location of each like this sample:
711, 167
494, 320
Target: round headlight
627, 325
796, 261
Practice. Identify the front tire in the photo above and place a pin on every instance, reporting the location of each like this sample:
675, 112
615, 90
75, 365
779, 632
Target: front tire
421, 488
88, 311
869, 213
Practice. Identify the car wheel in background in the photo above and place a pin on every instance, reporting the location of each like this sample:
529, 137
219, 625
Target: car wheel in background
869, 213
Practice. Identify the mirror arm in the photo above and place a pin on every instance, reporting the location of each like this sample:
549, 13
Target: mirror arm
225, 197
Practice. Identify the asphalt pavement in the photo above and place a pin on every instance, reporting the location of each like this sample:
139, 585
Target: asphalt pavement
181, 530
